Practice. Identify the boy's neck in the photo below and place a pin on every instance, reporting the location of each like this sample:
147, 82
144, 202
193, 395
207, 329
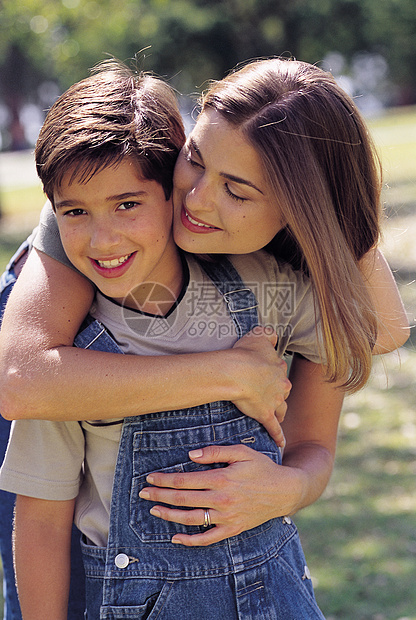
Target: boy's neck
152, 298
156, 298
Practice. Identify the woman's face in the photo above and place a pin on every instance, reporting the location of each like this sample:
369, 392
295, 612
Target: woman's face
222, 201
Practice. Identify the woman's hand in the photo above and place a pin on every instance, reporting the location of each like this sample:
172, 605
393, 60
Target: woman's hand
262, 378
251, 490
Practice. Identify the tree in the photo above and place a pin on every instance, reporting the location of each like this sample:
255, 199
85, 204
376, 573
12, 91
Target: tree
192, 41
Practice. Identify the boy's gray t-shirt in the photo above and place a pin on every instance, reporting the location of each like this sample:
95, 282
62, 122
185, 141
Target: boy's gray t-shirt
51, 467
47, 238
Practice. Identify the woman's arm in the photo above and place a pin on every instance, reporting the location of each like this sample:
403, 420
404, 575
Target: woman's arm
42, 540
393, 326
253, 489
43, 376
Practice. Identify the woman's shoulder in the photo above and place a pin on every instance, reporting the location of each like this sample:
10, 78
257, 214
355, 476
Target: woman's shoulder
261, 266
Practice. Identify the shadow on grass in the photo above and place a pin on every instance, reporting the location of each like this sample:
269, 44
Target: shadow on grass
360, 537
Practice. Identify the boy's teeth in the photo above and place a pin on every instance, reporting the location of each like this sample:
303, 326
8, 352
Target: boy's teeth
115, 262
191, 219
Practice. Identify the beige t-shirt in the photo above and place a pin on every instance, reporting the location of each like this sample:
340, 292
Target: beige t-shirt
63, 460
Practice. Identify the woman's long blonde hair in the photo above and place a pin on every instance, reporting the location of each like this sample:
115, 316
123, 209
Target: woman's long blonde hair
321, 164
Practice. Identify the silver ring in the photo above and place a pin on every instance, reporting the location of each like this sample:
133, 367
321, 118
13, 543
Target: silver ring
207, 518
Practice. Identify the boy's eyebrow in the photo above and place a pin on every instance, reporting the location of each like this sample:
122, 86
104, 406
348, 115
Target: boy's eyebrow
62, 204
126, 195
225, 175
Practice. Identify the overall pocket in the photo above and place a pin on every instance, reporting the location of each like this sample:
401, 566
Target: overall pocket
154, 595
153, 529
170, 455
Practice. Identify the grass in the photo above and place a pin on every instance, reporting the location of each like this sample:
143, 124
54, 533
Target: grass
360, 537
20, 208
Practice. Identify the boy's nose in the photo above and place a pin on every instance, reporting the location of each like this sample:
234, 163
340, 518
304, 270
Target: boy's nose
104, 237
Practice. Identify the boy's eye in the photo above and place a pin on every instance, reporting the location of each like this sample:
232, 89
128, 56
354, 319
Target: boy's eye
125, 206
74, 212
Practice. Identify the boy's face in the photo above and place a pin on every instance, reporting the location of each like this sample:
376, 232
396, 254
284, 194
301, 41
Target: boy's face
116, 230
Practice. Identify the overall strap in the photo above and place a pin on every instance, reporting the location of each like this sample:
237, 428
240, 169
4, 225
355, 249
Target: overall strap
93, 335
241, 301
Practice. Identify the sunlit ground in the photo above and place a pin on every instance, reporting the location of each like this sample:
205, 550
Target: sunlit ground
360, 537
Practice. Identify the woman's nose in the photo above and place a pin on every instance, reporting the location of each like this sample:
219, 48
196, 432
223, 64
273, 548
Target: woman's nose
200, 197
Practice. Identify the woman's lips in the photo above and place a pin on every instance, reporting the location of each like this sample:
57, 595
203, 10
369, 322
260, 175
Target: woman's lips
195, 225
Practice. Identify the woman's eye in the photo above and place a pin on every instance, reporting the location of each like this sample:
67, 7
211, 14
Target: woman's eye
232, 195
195, 164
192, 162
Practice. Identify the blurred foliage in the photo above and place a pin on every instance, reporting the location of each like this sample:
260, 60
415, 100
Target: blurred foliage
191, 41
47, 45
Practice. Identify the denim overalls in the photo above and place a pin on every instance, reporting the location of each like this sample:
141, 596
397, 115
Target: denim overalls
7, 500
259, 574
76, 604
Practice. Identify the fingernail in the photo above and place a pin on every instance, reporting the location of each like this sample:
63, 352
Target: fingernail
155, 512
196, 454
144, 494
150, 479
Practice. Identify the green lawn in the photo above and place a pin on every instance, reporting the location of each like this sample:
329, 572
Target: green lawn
360, 537
20, 208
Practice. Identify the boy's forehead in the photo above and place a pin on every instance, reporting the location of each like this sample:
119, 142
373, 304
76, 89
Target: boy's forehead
123, 181
83, 171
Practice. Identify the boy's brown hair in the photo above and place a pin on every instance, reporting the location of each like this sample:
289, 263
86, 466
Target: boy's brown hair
112, 114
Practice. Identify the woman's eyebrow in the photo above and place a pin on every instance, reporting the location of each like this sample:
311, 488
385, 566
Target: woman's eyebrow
235, 179
194, 146
225, 175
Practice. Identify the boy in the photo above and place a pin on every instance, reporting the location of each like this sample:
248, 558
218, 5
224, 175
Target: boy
105, 155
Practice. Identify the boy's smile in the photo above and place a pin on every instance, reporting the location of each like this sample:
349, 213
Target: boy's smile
116, 230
